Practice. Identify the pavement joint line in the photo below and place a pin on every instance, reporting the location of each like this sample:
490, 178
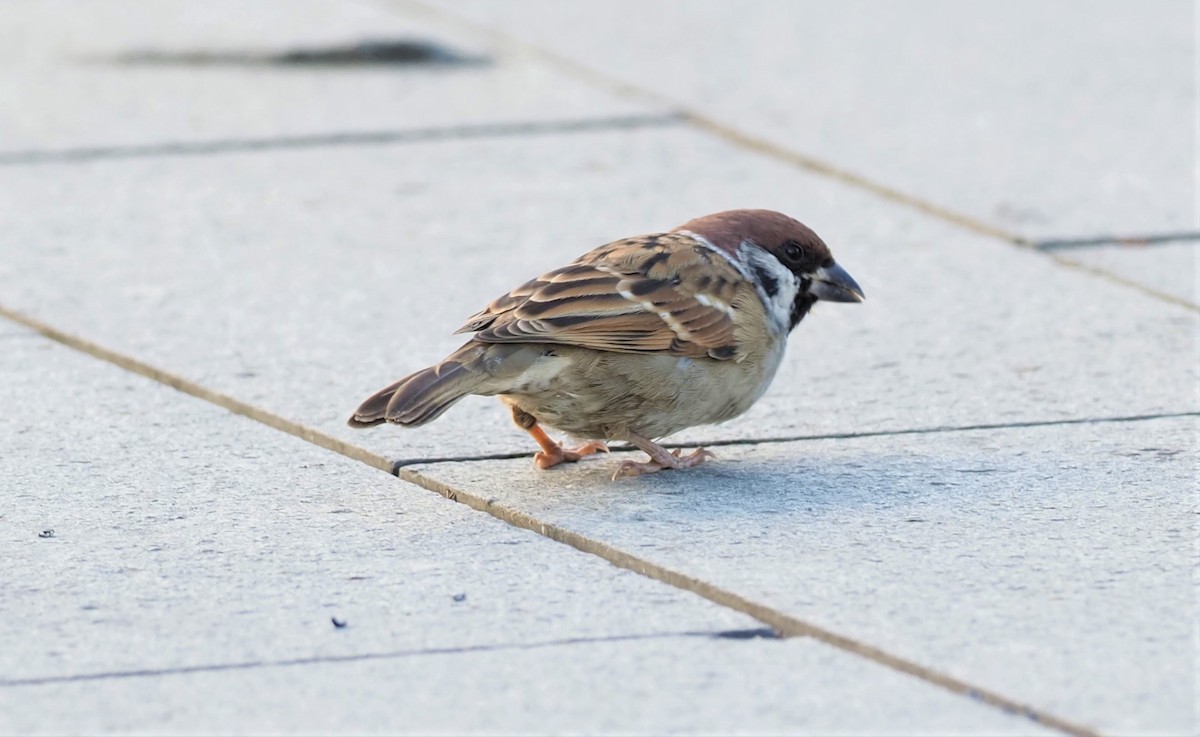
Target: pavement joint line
937, 429
784, 624
325, 140
1126, 241
363, 657
1071, 263
776, 151
192, 388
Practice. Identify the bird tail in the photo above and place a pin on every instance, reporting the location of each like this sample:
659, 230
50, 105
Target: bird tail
421, 397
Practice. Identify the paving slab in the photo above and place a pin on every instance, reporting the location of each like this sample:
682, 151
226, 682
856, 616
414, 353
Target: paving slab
304, 280
157, 547
663, 686
205, 552
1075, 118
1172, 268
1055, 565
205, 75
181, 535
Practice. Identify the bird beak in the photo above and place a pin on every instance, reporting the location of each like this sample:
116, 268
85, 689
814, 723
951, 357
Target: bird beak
833, 284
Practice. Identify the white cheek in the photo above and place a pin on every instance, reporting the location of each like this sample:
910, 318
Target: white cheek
779, 305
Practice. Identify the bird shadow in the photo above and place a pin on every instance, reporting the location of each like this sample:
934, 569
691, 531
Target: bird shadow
757, 483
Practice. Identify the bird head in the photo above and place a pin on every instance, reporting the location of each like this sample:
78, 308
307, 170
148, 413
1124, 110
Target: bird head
791, 266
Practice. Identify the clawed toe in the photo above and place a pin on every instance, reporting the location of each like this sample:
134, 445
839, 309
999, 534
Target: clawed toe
633, 468
587, 449
543, 459
673, 460
697, 457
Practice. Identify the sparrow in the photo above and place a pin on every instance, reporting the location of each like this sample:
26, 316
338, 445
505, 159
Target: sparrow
635, 340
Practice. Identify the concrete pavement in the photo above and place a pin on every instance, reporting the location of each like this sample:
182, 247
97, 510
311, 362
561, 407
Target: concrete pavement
975, 493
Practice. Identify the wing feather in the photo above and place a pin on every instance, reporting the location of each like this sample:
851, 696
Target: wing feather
661, 293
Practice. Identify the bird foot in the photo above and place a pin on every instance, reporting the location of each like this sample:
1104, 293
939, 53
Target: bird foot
549, 459
673, 460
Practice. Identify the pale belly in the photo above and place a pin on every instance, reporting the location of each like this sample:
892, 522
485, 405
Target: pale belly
607, 396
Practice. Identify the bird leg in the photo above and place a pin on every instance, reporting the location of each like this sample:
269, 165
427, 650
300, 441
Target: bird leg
552, 453
660, 458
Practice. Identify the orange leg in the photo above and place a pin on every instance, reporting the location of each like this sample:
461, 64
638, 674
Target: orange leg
552, 453
660, 458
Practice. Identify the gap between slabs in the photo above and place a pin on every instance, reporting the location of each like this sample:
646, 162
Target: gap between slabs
1016, 425
323, 140
361, 657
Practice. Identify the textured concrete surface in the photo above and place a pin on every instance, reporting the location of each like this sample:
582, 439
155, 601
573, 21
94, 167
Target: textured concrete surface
1017, 559
1171, 268
660, 686
157, 547
184, 535
1071, 118
956, 329
198, 558
69, 86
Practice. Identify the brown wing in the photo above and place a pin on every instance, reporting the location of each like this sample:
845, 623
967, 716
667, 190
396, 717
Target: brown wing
654, 293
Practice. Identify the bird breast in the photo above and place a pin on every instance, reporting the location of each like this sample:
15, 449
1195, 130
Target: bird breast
603, 395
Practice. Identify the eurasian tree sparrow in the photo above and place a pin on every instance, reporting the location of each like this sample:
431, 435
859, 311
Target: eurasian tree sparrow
636, 339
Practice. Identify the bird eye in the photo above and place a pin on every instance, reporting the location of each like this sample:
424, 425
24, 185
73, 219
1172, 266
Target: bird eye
792, 251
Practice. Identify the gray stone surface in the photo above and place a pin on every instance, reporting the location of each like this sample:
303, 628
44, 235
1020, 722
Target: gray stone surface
304, 280
55, 32
661, 686
63, 86
1172, 268
184, 535
1070, 118
198, 558
1052, 564
214, 550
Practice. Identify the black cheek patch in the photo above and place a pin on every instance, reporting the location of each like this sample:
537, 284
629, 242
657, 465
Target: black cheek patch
769, 283
800, 307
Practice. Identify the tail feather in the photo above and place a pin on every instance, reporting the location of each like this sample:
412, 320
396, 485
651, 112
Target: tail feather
429, 393
419, 398
374, 410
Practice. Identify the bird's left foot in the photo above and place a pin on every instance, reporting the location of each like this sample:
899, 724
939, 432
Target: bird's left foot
552, 453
